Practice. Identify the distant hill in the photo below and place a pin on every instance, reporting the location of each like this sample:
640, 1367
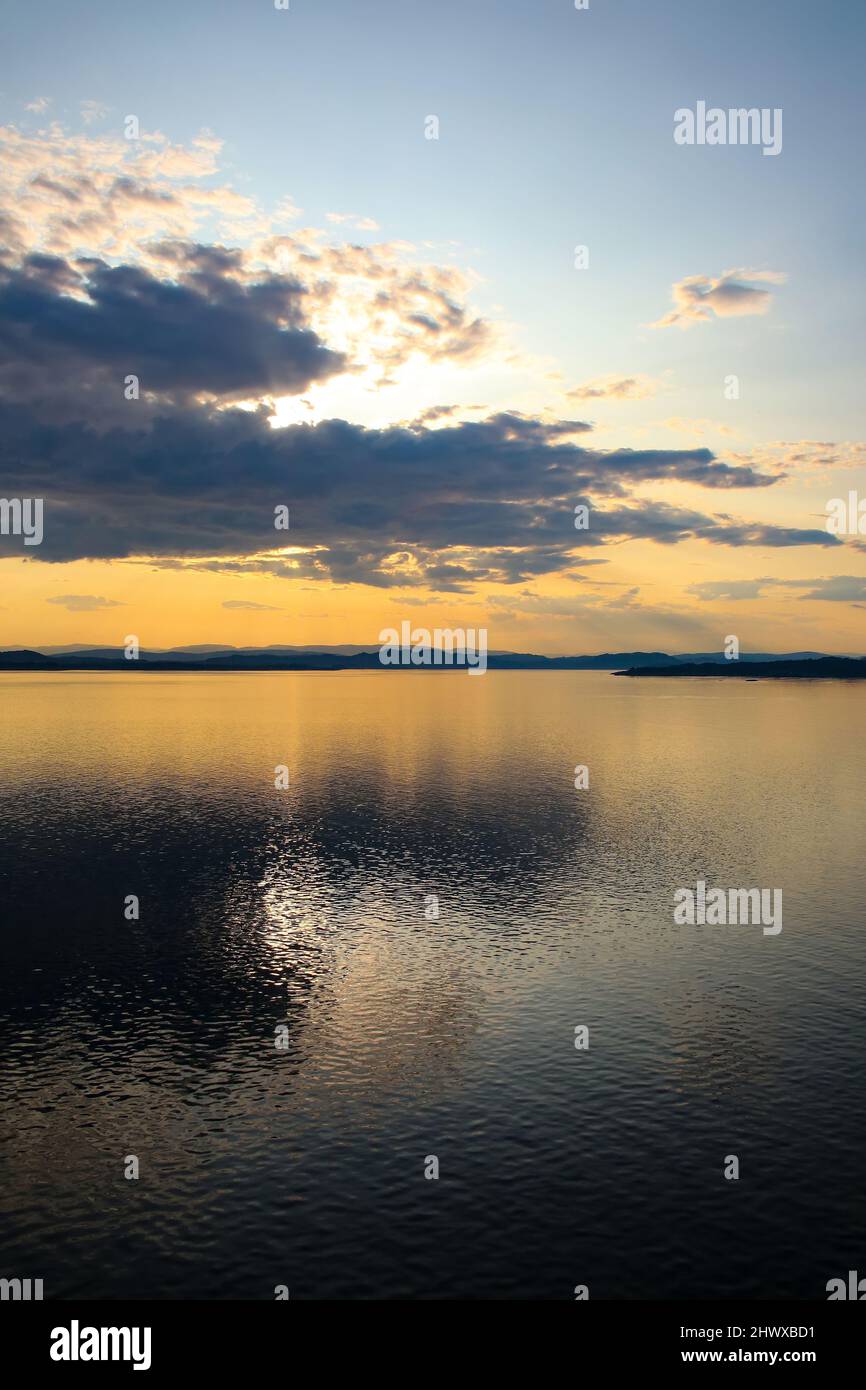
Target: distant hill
25, 660
350, 657
200, 652
296, 659
720, 659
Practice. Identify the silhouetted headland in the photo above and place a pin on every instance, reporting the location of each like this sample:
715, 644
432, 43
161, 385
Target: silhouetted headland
814, 668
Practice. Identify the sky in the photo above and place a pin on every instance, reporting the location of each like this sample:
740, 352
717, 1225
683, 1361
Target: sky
338, 246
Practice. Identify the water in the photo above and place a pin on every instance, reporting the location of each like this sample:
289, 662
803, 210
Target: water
408, 1037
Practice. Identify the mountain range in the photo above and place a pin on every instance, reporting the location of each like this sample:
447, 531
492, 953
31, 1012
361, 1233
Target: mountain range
212, 657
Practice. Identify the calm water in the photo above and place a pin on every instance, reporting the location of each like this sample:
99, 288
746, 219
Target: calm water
409, 1037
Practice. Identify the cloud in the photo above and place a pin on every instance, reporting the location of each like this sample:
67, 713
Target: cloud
697, 427
488, 501
615, 388
544, 605
82, 194
360, 224
93, 111
805, 456
605, 624
87, 325
735, 293
39, 105
106, 274
286, 210
83, 603
729, 590
667, 525
840, 588
112, 199
251, 607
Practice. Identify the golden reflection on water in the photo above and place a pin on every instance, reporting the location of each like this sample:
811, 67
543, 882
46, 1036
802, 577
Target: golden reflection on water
306, 908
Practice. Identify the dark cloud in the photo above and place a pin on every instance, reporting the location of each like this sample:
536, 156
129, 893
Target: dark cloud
667, 525
86, 326
181, 476
449, 507
688, 466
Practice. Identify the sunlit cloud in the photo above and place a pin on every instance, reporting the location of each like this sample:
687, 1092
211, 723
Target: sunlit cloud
616, 388
357, 223
733, 294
